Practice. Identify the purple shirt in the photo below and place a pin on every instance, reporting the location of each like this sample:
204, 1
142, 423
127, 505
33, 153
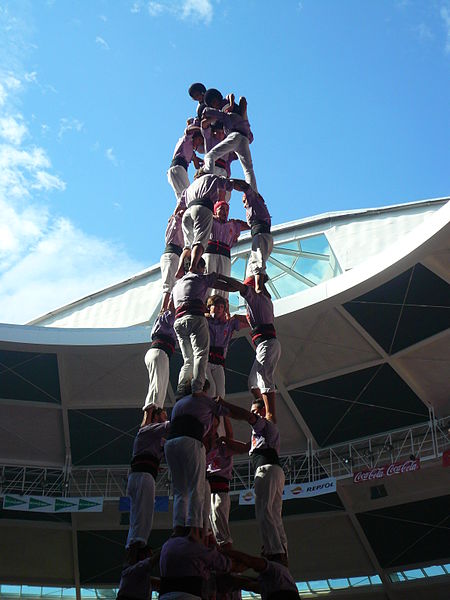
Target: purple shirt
257, 209
135, 581
183, 557
275, 578
231, 122
203, 408
207, 186
227, 232
164, 325
220, 332
174, 232
265, 434
150, 439
259, 308
192, 286
219, 461
185, 148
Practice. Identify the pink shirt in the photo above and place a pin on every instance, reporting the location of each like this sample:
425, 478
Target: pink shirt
259, 308
227, 232
174, 232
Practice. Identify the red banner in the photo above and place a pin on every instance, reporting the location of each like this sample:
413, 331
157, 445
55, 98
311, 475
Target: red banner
386, 471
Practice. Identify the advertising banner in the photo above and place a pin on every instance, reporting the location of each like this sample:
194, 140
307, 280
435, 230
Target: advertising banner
296, 490
48, 504
161, 504
386, 471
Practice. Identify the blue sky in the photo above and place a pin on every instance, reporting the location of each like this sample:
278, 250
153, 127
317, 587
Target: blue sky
348, 102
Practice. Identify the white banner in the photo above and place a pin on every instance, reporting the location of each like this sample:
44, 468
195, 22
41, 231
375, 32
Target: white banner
296, 490
48, 504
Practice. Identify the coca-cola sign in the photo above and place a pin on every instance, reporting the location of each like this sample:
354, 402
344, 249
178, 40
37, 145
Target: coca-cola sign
386, 471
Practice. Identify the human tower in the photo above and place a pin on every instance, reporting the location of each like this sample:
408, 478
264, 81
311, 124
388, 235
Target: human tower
199, 559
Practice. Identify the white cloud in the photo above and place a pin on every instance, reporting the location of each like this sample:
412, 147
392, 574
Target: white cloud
12, 129
445, 14
200, 10
103, 18
424, 32
62, 265
109, 153
45, 259
155, 8
102, 43
71, 124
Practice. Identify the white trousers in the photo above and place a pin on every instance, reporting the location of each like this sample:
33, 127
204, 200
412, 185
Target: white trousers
219, 517
197, 224
206, 508
157, 363
266, 359
215, 374
193, 337
216, 263
141, 490
187, 463
269, 484
169, 266
178, 179
234, 142
262, 245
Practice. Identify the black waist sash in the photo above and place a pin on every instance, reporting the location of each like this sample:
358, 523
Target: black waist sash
192, 307
173, 249
179, 161
216, 355
260, 227
186, 425
263, 332
221, 164
206, 202
191, 585
264, 456
218, 483
145, 463
216, 247
284, 595
164, 342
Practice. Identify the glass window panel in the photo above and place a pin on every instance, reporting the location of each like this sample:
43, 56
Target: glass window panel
414, 574
446, 568
238, 269
359, 581
273, 271
31, 590
294, 245
434, 570
338, 584
106, 593
302, 586
314, 270
317, 243
375, 580
236, 301
320, 584
88, 593
288, 285
395, 577
286, 259
52, 591
11, 589
69, 593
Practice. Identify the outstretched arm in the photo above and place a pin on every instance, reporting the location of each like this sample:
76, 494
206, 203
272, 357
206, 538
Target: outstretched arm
232, 285
235, 446
240, 414
240, 185
256, 563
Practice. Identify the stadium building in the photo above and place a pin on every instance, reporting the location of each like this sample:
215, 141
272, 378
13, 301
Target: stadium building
362, 309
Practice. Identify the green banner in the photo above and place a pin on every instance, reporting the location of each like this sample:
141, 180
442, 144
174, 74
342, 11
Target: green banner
48, 504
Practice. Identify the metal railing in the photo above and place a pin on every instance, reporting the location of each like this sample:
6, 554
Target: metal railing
426, 441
